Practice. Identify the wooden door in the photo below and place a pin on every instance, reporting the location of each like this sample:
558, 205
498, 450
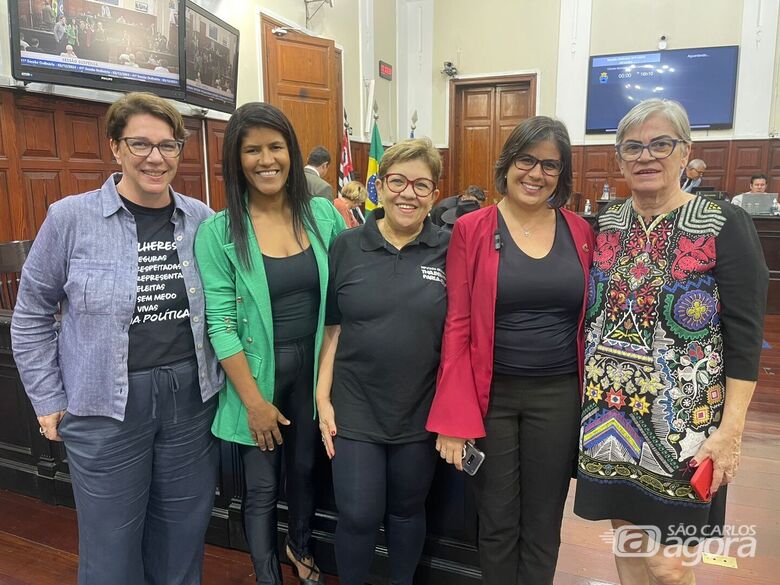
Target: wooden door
302, 77
484, 113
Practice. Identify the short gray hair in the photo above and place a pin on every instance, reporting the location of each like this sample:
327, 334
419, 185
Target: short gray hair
669, 109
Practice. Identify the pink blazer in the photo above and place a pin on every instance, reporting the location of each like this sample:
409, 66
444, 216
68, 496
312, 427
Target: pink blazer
466, 368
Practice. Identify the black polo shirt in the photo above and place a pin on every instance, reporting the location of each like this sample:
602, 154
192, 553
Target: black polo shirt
391, 306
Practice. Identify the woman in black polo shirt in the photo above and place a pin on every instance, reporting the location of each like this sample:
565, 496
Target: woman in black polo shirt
386, 307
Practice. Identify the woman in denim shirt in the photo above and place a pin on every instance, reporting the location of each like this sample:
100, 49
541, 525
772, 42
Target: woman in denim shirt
127, 378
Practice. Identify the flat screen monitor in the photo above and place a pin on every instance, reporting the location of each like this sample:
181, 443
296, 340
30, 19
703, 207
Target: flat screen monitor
116, 45
703, 80
759, 203
212, 60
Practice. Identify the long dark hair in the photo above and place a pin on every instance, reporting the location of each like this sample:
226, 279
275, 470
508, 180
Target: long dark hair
527, 134
260, 115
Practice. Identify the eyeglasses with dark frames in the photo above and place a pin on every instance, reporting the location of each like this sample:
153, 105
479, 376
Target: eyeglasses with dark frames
659, 149
142, 147
397, 183
550, 167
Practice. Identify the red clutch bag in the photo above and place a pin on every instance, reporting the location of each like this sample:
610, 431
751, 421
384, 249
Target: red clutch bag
702, 480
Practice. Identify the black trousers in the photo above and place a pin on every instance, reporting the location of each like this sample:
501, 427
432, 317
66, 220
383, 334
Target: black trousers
532, 425
374, 482
294, 397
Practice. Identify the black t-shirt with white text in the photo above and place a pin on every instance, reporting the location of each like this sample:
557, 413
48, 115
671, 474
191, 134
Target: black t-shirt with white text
160, 332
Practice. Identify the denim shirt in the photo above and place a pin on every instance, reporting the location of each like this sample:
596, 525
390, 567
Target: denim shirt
85, 260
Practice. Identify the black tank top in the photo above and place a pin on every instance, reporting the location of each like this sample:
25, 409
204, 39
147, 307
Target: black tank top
294, 287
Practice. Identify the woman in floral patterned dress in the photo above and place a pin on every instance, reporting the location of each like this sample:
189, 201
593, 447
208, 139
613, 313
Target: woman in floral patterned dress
673, 338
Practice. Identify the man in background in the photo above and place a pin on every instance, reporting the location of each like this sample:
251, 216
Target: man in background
316, 166
693, 174
472, 193
757, 185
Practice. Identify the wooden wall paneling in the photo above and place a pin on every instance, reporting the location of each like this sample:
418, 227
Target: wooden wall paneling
9, 183
42, 188
716, 156
445, 183
748, 157
83, 139
576, 172
81, 181
773, 167
215, 139
191, 177
36, 134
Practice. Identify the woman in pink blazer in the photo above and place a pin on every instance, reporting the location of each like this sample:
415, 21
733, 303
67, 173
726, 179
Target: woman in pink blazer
517, 286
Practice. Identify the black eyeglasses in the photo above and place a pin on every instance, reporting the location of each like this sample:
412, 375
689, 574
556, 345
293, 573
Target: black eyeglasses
142, 147
397, 182
659, 149
550, 167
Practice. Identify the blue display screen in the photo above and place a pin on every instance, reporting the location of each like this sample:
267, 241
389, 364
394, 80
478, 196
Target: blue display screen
703, 80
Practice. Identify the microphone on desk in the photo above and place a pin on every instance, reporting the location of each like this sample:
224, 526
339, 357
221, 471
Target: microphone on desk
497, 243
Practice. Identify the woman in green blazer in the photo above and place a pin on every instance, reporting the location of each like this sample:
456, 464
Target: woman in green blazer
264, 265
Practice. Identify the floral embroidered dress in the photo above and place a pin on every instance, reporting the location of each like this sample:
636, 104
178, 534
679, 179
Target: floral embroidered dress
674, 308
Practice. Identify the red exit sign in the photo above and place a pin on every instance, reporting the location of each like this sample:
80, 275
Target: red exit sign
385, 71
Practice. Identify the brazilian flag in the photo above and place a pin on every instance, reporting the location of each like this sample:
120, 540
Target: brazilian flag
374, 156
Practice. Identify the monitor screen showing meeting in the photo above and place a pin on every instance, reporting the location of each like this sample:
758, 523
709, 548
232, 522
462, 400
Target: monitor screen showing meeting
703, 80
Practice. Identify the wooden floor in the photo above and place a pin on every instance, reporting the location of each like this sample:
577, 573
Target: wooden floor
38, 543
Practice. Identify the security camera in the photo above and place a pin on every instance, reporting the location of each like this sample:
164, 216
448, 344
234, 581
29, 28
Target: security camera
449, 69
279, 31
662, 43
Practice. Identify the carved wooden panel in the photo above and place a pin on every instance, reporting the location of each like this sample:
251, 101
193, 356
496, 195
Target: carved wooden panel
82, 137
215, 139
83, 181
359, 159
477, 105
513, 105
42, 189
302, 63
716, 156
4, 124
310, 114
193, 148
6, 227
749, 157
773, 168
190, 184
36, 134
598, 159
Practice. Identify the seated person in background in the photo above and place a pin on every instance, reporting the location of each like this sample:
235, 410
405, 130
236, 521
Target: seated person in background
693, 174
472, 193
35, 46
352, 196
464, 206
69, 52
22, 44
163, 66
757, 185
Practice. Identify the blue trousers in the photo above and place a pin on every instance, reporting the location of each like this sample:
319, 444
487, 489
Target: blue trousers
144, 487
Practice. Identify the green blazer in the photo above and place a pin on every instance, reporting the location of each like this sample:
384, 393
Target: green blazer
238, 308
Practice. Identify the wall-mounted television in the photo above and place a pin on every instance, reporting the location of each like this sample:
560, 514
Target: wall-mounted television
703, 80
117, 45
211, 49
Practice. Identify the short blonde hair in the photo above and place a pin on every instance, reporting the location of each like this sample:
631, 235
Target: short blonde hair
412, 149
139, 102
355, 191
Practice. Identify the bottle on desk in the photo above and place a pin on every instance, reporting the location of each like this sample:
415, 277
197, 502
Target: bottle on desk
775, 207
587, 210
605, 192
